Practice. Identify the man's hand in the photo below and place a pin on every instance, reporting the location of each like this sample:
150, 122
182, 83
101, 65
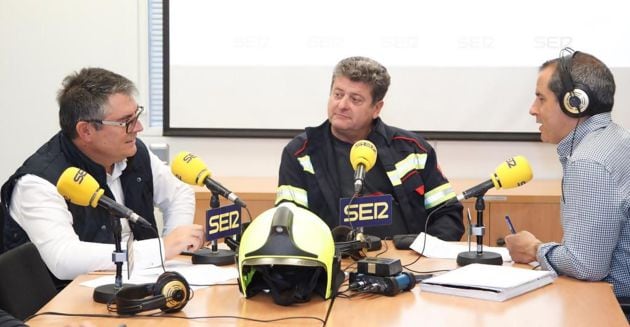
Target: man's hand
183, 238
523, 246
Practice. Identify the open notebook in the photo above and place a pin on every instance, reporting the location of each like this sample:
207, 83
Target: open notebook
488, 282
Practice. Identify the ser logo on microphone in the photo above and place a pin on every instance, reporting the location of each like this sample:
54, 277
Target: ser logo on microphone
365, 144
79, 176
189, 157
512, 163
366, 211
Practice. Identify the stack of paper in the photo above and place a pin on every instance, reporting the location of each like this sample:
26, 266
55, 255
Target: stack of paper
488, 282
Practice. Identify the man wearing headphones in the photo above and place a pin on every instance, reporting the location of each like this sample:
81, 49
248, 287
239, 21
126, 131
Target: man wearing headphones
574, 99
315, 171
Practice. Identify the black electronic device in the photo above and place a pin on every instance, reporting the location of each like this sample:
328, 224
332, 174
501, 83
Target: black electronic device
379, 266
386, 285
169, 293
403, 241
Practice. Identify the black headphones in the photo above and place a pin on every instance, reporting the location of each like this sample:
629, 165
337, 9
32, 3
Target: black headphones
348, 242
574, 100
170, 293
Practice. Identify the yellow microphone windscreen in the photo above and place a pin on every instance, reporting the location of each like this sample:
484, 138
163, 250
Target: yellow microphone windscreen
79, 187
513, 172
363, 152
189, 168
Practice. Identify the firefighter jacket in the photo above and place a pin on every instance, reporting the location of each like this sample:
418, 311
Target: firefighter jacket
308, 169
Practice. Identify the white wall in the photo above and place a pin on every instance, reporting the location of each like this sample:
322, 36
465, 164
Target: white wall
43, 41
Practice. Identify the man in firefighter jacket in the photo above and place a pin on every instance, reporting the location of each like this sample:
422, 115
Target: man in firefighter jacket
315, 170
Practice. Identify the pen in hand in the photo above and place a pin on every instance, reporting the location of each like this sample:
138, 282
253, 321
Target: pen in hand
509, 224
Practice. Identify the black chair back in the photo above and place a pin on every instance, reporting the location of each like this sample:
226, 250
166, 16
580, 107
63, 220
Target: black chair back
25, 283
1, 227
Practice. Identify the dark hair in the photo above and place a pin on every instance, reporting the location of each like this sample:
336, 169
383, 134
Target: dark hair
85, 94
366, 70
588, 71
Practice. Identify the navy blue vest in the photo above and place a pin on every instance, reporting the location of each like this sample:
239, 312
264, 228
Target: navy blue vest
90, 224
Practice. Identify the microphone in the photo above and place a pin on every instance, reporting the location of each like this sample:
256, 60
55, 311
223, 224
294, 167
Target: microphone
387, 285
362, 158
511, 173
80, 188
192, 170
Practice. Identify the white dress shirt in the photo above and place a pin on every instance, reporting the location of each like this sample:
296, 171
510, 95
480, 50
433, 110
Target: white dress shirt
43, 214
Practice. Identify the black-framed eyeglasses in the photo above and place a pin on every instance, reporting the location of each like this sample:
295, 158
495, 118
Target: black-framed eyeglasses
129, 124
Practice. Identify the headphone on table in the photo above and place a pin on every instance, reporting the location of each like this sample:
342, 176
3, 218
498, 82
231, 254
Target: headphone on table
348, 242
574, 100
169, 293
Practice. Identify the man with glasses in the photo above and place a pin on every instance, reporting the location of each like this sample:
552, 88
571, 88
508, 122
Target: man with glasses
98, 115
129, 124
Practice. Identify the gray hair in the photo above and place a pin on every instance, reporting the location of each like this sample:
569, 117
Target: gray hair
84, 96
366, 70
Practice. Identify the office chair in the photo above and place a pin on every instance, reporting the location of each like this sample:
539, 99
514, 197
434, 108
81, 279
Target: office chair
25, 283
7, 320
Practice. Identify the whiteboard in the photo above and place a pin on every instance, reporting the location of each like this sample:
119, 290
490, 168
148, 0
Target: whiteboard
459, 69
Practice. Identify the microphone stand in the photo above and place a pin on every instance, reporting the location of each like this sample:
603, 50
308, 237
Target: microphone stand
489, 258
214, 255
373, 242
106, 293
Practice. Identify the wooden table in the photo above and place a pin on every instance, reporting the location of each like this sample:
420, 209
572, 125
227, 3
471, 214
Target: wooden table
566, 302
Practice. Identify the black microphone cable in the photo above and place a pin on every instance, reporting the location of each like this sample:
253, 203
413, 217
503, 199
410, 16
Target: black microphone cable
349, 248
166, 315
424, 239
424, 243
162, 259
570, 154
233, 243
157, 235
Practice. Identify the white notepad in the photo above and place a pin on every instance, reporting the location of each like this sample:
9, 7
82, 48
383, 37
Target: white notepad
488, 282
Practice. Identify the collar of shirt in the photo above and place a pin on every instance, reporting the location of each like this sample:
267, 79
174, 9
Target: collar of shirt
592, 123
